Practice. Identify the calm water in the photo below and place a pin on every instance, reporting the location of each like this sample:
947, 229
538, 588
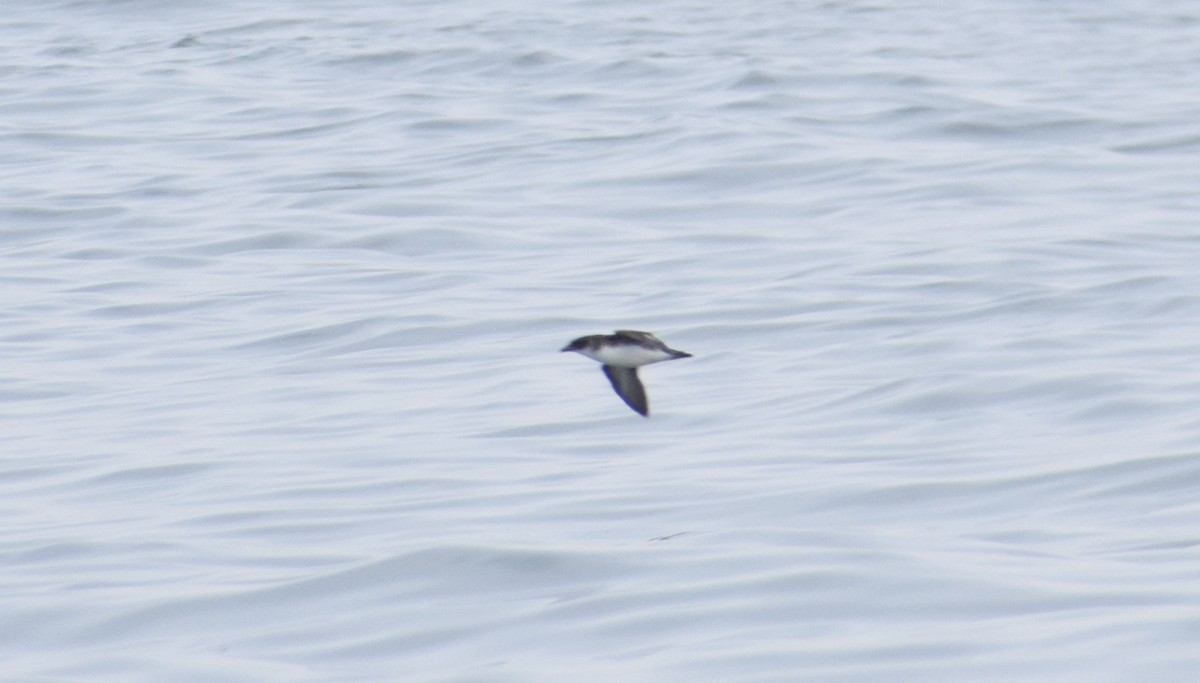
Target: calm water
283, 288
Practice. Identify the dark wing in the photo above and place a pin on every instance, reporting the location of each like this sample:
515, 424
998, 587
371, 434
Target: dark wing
647, 339
641, 338
627, 385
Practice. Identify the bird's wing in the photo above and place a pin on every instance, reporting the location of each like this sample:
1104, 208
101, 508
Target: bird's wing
627, 385
640, 337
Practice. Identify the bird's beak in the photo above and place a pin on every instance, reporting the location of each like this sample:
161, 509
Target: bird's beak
565, 348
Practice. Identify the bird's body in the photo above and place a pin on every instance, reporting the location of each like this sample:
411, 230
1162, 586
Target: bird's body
621, 354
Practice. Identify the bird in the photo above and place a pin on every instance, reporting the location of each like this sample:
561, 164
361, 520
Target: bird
620, 355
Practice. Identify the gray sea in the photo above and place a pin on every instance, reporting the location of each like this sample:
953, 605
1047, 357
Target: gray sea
283, 288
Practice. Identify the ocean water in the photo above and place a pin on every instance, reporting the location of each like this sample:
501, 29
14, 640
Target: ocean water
284, 285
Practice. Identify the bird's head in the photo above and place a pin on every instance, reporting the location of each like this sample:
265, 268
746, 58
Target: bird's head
577, 345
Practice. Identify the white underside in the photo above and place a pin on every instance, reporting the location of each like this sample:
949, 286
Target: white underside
626, 356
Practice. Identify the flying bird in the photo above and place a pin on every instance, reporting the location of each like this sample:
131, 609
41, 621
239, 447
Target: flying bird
620, 355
